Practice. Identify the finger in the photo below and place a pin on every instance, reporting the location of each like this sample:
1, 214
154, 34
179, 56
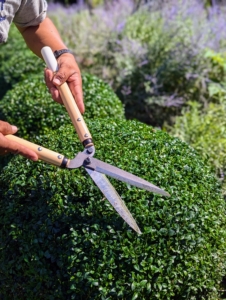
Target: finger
68, 71
51, 87
8, 146
48, 77
56, 95
60, 76
75, 85
6, 128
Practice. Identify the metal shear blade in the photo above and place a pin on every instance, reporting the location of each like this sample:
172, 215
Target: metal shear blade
97, 169
113, 197
87, 161
84, 159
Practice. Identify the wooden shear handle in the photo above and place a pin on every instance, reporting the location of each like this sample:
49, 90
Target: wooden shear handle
46, 155
69, 101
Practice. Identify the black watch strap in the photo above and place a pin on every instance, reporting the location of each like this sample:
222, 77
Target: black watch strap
58, 53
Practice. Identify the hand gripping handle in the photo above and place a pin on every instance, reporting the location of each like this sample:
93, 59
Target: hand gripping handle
69, 101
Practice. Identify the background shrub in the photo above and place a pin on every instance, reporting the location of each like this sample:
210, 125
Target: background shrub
61, 239
177, 65
205, 131
202, 124
29, 105
153, 55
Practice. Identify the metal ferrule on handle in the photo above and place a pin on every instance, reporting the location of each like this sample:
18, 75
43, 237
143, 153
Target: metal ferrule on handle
69, 101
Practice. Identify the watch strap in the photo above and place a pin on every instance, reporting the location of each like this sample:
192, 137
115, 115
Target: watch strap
58, 53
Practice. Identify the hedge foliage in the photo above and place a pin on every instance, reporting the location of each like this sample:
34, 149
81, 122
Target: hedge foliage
17, 61
60, 239
205, 131
29, 105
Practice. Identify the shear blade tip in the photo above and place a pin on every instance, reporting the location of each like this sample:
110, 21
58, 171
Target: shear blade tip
137, 229
163, 193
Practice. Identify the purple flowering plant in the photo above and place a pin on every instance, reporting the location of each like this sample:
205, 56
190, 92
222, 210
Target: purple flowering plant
152, 54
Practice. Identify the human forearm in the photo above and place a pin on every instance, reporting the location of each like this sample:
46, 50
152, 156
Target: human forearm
45, 34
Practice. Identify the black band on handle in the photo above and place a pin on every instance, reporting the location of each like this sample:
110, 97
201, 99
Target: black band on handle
64, 162
87, 142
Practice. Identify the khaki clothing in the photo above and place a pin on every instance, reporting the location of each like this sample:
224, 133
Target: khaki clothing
21, 12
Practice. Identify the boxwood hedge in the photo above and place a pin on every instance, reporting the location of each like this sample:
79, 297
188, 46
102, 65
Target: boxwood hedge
17, 61
29, 105
61, 239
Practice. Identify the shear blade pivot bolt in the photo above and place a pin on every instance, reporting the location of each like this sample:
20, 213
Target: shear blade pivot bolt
87, 161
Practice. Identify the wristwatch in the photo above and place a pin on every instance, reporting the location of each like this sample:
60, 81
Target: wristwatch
58, 53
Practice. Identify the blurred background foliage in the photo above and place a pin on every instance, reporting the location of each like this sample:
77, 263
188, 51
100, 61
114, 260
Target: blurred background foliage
206, 3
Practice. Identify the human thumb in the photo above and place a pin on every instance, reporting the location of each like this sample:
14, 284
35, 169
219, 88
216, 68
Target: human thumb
57, 81
14, 129
60, 76
6, 128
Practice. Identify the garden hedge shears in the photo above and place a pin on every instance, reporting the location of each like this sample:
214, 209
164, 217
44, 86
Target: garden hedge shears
95, 168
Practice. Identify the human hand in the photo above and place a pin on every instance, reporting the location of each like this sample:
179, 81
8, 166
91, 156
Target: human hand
7, 146
69, 72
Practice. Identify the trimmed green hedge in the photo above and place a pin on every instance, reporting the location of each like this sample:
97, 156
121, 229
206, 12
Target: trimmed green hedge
29, 105
17, 60
61, 239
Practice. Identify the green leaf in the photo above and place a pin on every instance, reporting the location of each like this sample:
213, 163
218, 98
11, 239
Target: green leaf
135, 296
